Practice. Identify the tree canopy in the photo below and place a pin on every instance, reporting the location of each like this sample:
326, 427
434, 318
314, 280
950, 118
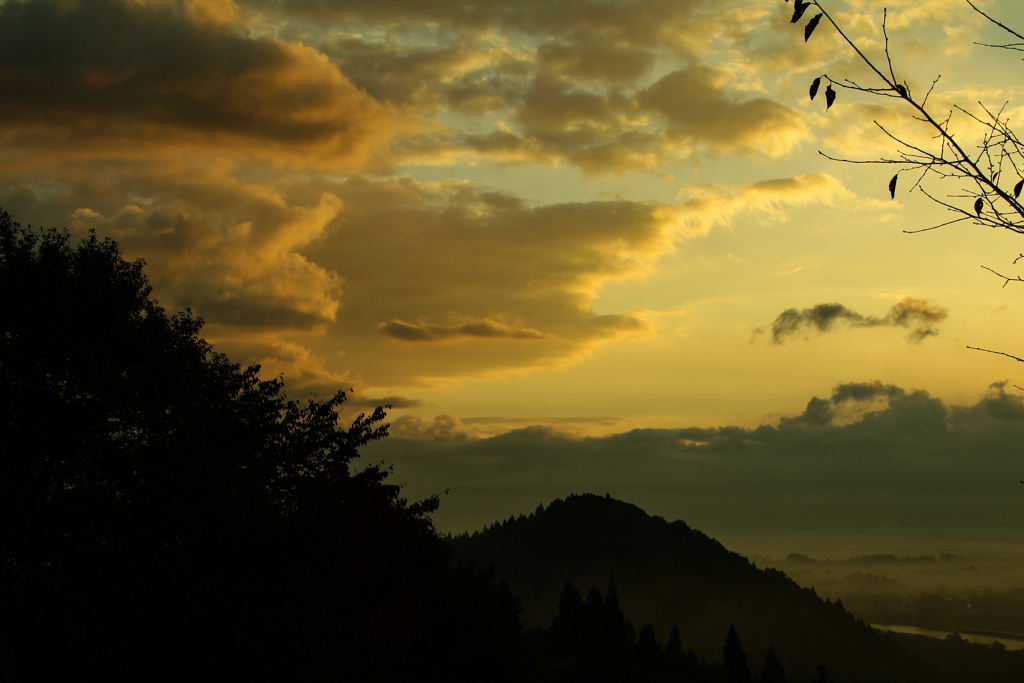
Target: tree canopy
165, 512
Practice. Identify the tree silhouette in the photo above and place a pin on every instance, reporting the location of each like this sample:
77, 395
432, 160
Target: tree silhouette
675, 658
165, 513
734, 659
648, 651
772, 671
569, 628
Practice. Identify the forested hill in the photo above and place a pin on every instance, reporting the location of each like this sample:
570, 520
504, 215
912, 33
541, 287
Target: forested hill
669, 573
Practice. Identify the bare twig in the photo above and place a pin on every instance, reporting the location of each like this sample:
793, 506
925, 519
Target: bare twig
998, 353
994, 21
1008, 280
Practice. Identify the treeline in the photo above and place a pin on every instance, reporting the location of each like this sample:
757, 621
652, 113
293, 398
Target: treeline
965, 661
592, 640
677, 578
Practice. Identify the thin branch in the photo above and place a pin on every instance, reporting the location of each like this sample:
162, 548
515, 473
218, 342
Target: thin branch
998, 353
936, 227
1008, 280
970, 167
994, 21
929, 93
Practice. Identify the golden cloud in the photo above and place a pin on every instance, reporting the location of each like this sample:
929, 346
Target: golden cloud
201, 135
117, 79
122, 79
698, 110
558, 122
228, 249
675, 23
426, 265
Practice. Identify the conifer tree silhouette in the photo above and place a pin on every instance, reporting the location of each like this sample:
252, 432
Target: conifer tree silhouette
772, 671
648, 651
734, 659
675, 658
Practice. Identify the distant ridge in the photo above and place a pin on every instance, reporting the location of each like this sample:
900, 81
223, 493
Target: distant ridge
669, 573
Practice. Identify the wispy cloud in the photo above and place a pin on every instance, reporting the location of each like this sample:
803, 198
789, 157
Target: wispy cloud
478, 328
919, 315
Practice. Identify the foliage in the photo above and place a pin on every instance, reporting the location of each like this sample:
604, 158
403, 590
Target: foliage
167, 513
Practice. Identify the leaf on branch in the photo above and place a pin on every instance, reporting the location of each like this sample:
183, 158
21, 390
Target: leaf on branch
814, 87
830, 97
798, 10
978, 204
1017, 188
811, 25
892, 186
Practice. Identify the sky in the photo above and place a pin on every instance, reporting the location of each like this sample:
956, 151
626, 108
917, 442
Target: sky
576, 245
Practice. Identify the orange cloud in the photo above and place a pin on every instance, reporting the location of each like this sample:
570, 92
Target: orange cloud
120, 79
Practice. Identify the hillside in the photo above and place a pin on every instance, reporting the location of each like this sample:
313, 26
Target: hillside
669, 573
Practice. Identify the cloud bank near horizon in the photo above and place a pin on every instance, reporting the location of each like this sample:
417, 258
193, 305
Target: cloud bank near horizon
871, 456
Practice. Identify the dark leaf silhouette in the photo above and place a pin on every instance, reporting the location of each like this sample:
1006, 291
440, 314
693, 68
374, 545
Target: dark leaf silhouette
814, 87
978, 203
1017, 188
811, 25
798, 10
211, 524
892, 186
830, 97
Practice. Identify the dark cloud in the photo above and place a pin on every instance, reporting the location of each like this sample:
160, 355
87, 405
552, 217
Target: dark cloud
997, 407
821, 317
478, 328
589, 58
465, 75
818, 413
395, 402
696, 107
864, 391
915, 462
918, 314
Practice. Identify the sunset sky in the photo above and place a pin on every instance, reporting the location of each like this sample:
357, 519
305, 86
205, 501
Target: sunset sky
558, 237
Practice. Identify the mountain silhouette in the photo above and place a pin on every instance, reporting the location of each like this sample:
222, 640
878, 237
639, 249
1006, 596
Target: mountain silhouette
671, 575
